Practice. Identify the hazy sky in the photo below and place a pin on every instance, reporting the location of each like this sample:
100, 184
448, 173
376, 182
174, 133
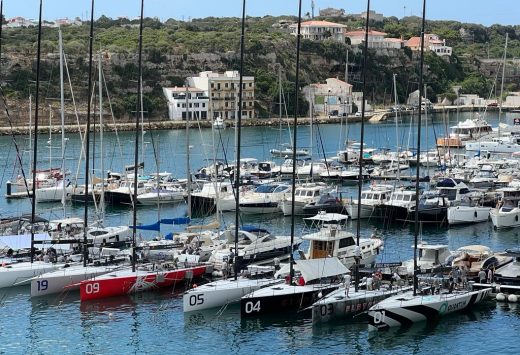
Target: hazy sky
476, 11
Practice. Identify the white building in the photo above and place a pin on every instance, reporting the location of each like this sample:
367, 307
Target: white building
222, 90
431, 42
197, 103
19, 22
513, 99
376, 39
469, 100
333, 98
320, 30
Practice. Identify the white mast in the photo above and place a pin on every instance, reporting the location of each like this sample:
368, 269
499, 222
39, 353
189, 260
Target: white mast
62, 111
101, 129
502, 84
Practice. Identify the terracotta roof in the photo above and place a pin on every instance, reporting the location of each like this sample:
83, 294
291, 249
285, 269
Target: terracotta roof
321, 23
414, 42
362, 32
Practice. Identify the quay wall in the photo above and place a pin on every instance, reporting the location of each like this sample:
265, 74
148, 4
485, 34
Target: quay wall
162, 124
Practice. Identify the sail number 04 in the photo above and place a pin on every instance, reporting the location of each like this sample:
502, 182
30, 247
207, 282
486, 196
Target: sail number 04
252, 307
91, 288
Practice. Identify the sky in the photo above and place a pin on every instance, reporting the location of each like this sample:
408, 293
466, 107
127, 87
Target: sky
487, 12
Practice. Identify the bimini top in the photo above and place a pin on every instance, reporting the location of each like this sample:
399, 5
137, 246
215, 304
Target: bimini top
314, 269
328, 217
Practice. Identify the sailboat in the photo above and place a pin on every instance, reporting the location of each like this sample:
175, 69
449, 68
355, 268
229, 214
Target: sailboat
139, 278
349, 300
227, 291
421, 304
68, 277
316, 277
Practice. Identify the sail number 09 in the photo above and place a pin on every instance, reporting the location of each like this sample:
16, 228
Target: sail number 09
92, 288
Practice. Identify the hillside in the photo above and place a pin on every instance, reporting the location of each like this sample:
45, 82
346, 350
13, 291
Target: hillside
175, 49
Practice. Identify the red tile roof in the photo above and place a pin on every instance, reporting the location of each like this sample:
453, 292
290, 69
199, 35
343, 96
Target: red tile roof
362, 32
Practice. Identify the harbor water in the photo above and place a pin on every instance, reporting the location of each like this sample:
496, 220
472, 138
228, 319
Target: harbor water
155, 323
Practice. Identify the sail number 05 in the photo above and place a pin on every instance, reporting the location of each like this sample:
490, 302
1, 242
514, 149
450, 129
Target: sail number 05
196, 300
91, 288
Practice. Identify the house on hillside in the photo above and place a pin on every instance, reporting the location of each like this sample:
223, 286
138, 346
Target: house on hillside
332, 12
432, 42
320, 30
332, 98
376, 39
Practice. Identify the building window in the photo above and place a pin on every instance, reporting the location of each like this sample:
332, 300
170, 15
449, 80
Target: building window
191, 105
183, 105
212, 86
218, 86
196, 104
227, 85
250, 84
203, 104
178, 105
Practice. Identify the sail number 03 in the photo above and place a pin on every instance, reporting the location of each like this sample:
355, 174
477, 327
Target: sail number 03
252, 307
91, 288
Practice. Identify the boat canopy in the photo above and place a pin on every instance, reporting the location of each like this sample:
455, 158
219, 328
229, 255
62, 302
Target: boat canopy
314, 269
328, 217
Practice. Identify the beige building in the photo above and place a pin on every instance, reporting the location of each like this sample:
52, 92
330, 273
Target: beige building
320, 30
376, 39
332, 98
222, 90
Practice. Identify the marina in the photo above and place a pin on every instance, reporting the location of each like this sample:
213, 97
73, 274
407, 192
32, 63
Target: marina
223, 237
150, 312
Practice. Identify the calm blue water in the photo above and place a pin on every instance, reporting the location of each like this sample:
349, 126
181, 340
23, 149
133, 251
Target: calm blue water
155, 323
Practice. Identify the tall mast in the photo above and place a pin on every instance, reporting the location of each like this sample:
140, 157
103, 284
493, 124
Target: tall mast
62, 112
295, 122
398, 172
416, 229
35, 151
188, 171
238, 135
136, 149
362, 141
502, 83
87, 136
101, 150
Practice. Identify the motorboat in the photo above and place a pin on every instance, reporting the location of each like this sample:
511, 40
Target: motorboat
508, 275
371, 198
478, 257
264, 199
164, 194
507, 212
314, 278
204, 202
288, 152
470, 211
219, 123
124, 194
332, 240
303, 194
430, 256
56, 193
255, 245
399, 206
327, 203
